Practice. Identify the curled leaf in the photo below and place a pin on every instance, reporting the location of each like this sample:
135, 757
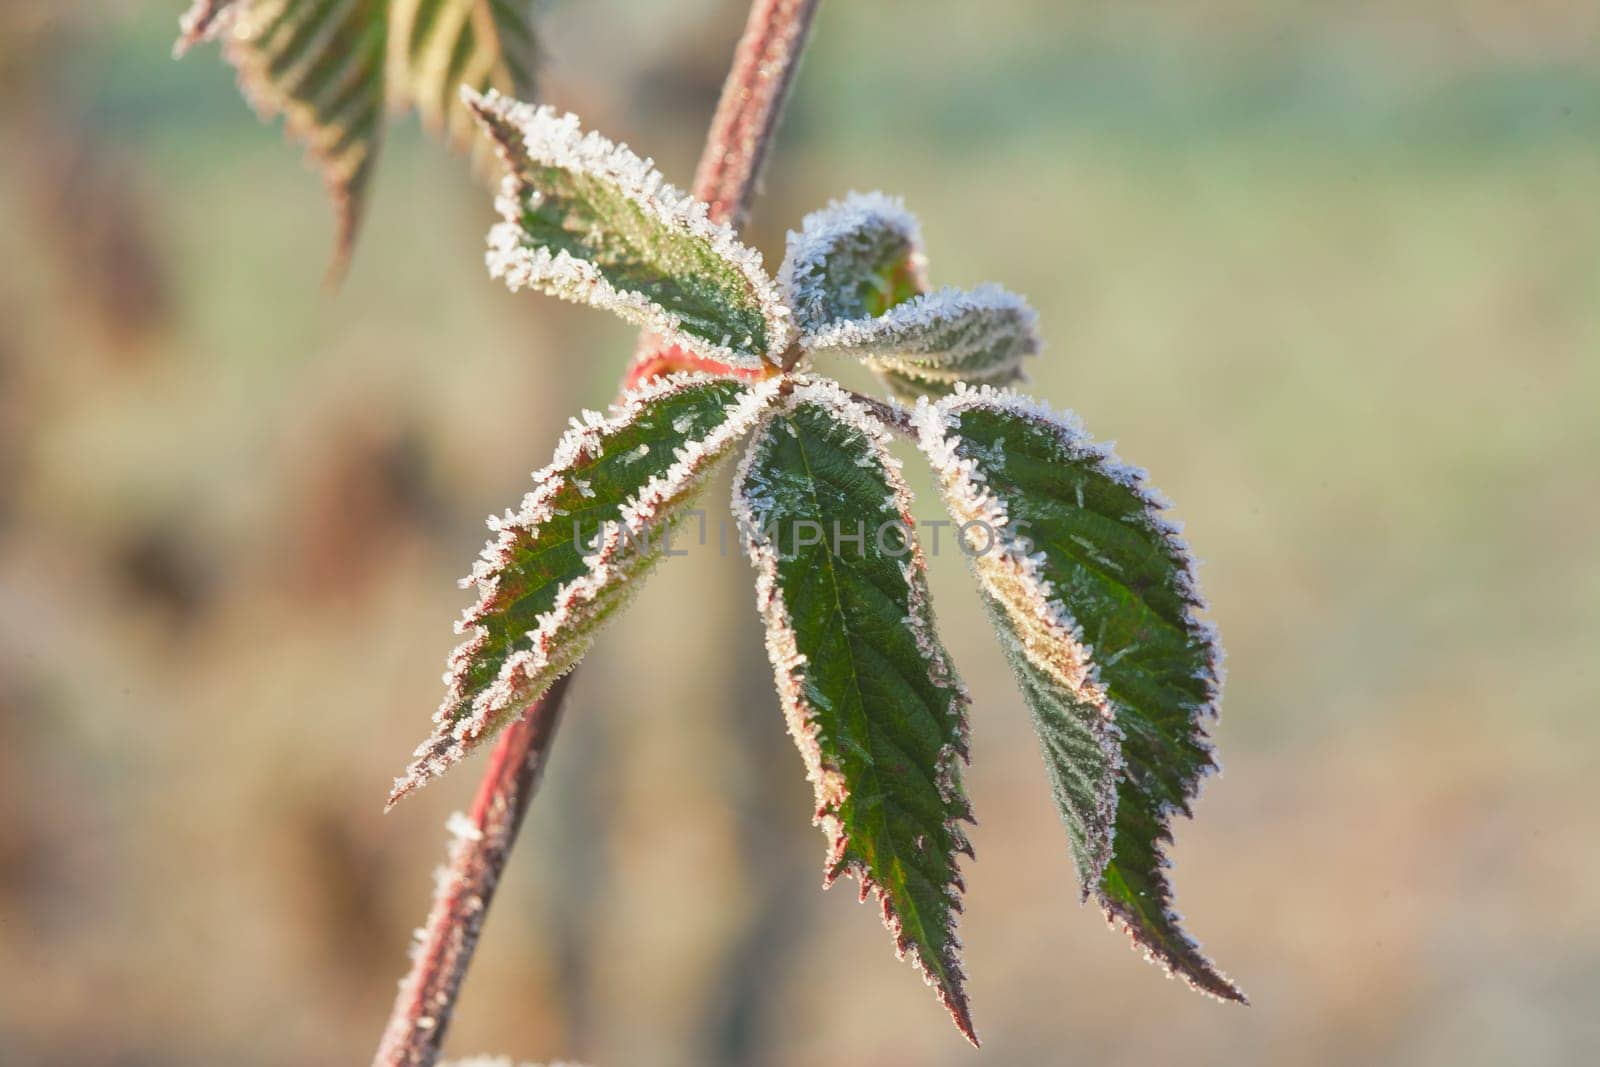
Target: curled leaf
935, 341
854, 259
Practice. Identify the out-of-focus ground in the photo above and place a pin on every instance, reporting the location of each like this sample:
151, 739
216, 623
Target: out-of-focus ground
1332, 272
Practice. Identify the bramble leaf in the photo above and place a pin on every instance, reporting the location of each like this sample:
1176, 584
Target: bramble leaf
599, 516
1097, 607
330, 67
1071, 712
869, 693
935, 340
854, 259
588, 221
854, 274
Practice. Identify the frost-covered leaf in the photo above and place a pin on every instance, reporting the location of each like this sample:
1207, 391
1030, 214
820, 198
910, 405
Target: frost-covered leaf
855, 275
441, 45
939, 339
319, 64
331, 67
869, 694
588, 221
598, 517
1071, 712
1097, 607
854, 259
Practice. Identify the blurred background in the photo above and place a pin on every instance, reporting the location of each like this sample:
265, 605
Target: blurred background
1331, 272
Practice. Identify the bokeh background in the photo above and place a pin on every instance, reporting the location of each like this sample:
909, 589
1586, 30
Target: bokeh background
1330, 271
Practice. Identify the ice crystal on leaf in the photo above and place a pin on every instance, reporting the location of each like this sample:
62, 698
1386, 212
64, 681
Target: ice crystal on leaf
854, 259
596, 521
1098, 615
1091, 590
856, 276
588, 221
869, 693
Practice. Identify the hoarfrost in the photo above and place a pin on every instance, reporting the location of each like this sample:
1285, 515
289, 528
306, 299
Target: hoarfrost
839, 246
789, 666
542, 135
946, 336
562, 635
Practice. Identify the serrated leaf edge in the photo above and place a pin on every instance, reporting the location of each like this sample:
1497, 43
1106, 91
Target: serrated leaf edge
551, 138
932, 421
788, 663
1012, 577
888, 341
527, 673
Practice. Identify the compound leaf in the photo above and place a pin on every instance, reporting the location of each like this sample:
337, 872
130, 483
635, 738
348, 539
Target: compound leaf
1095, 596
869, 693
599, 516
588, 221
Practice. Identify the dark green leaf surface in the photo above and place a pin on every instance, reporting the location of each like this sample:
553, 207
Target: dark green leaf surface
870, 694
589, 221
596, 520
1123, 583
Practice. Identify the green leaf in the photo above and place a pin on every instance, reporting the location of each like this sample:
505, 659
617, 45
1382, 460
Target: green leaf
589, 221
854, 274
599, 516
935, 340
869, 693
854, 259
319, 64
1096, 598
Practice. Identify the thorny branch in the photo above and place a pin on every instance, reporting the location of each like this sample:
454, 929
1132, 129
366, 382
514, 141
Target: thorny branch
736, 147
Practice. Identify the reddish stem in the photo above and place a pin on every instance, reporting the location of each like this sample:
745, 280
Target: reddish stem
467, 884
752, 102
741, 134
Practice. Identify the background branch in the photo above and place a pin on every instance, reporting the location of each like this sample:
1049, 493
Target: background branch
730, 166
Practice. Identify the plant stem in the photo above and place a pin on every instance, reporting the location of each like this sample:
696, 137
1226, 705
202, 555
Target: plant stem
478, 855
736, 147
752, 102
